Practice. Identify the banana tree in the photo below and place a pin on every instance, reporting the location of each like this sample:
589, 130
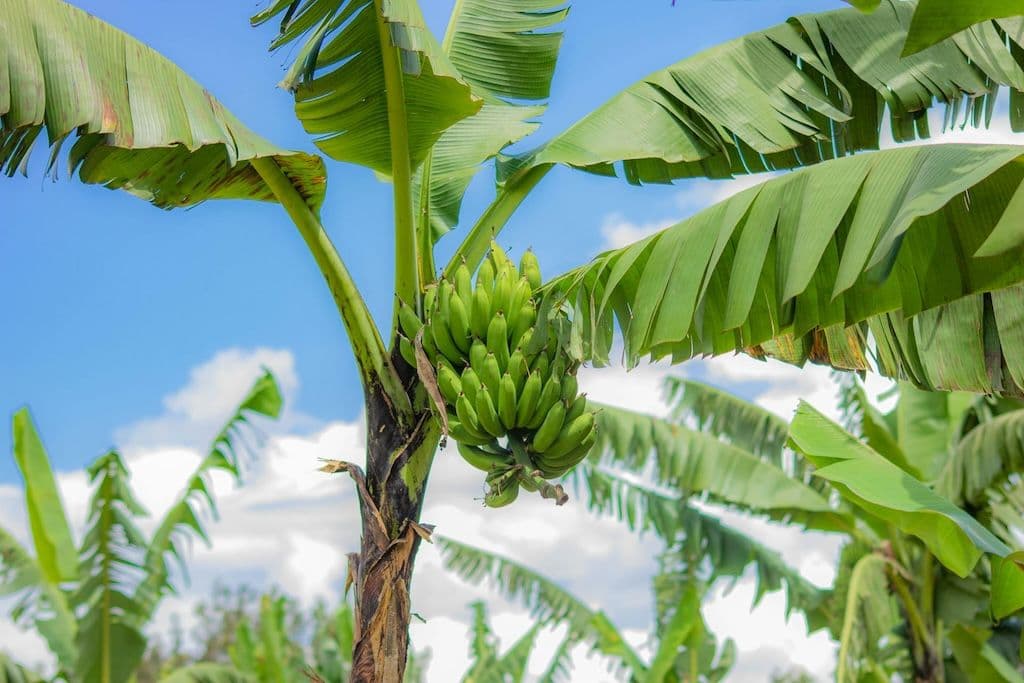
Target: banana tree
916, 248
90, 601
927, 496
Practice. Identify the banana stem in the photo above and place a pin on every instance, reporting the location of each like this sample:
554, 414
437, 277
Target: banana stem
474, 247
367, 346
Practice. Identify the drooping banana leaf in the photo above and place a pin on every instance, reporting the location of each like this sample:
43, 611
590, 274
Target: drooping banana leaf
883, 490
988, 455
790, 268
135, 121
110, 639
936, 20
814, 88
548, 603
346, 50
51, 534
869, 616
183, 517
695, 463
743, 423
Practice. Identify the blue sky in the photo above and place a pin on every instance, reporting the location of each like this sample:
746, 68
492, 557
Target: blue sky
112, 301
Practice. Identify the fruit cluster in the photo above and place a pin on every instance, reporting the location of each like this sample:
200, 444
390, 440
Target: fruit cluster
509, 386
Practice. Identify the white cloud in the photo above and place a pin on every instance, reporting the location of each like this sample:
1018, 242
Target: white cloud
618, 232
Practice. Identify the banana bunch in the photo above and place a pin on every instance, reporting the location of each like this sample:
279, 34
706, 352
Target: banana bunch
511, 393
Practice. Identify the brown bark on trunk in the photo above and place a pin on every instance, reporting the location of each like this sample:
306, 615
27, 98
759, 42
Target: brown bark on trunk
390, 499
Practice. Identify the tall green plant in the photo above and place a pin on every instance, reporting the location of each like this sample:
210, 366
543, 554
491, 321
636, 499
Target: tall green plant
93, 618
918, 249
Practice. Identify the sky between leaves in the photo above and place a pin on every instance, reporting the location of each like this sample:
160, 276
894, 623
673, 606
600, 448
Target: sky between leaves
138, 327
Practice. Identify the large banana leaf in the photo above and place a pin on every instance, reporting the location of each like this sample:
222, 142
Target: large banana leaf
506, 50
339, 71
141, 123
785, 267
935, 20
926, 422
183, 517
110, 640
693, 462
814, 88
55, 549
885, 491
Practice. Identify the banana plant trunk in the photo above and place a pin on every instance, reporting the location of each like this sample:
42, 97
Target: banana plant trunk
398, 460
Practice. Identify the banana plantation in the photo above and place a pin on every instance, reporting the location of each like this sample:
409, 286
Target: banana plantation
848, 240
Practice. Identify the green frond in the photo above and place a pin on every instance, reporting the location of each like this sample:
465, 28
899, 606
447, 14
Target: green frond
817, 87
734, 420
883, 490
182, 520
692, 462
338, 75
137, 122
985, 457
549, 604
560, 667
110, 640
794, 267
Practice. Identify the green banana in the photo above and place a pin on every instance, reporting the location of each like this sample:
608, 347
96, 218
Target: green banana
541, 364
449, 383
485, 276
497, 339
459, 323
529, 268
521, 292
528, 399
500, 258
490, 375
572, 457
525, 320
470, 383
468, 417
549, 397
576, 408
406, 349
518, 369
443, 340
572, 434
504, 495
487, 413
570, 387
549, 428
477, 355
507, 401
463, 282
429, 299
408, 320
462, 435
480, 315
502, 296
481, 458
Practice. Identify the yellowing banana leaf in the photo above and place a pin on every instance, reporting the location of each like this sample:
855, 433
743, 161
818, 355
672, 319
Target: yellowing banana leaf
935, 20
883, 490
138, 122
339, 71
792, 267
814, 88
56, 555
